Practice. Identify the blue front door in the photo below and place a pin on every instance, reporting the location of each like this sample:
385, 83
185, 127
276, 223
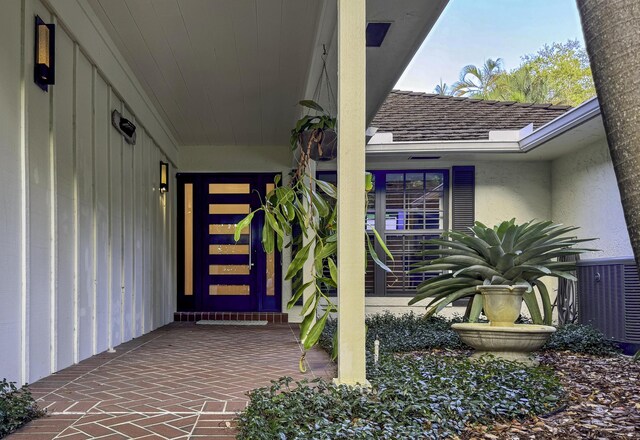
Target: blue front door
216, 272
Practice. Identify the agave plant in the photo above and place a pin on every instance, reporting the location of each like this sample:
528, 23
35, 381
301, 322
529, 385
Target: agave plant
507, 254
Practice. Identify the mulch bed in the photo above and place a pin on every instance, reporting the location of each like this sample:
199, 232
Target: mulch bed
603, 402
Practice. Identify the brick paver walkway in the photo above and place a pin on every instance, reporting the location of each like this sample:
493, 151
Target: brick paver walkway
179, 382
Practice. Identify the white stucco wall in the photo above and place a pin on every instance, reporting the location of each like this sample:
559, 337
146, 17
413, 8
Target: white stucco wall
86, 239
585, 194
512, 189
398, 306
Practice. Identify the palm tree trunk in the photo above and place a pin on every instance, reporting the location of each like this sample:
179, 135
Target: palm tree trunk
612, 36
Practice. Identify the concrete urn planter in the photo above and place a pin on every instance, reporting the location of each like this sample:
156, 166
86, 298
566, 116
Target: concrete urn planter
501, 337
514, 343
502, 304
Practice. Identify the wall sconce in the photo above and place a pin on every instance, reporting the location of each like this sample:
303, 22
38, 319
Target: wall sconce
164, 177
124, 126
44, 54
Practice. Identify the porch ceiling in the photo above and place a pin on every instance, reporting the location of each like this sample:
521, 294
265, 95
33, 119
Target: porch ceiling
230, 72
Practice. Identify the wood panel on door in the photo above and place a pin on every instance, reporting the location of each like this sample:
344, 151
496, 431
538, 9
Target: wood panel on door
229, 278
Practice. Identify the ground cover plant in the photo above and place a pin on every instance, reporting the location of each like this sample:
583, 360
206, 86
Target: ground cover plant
433, 391
411, 332
17, 407
412, 396
401, 333
580, 338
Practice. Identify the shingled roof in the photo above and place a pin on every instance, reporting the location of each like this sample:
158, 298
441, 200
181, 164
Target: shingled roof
415, 117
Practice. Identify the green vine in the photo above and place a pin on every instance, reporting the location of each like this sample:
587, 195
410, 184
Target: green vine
311, 205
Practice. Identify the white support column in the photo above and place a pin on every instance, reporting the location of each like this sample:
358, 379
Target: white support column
308, 270
351, 192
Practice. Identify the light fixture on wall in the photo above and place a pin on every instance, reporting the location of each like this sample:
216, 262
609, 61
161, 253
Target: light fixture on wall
44, 54
164, 177
124, 126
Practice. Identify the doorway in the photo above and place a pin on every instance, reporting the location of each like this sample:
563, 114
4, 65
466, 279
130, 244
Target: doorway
216, 273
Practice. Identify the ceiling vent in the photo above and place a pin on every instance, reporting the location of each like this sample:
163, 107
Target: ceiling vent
376, 32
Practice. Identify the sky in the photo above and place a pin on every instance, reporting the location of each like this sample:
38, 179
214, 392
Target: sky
471, 31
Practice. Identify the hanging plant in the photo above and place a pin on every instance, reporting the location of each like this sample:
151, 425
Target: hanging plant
315, 135
309, 204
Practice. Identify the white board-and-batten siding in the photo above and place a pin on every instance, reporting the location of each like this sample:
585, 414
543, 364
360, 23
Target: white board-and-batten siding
86, 238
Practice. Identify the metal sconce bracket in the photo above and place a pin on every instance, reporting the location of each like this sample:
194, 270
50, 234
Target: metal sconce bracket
124, 126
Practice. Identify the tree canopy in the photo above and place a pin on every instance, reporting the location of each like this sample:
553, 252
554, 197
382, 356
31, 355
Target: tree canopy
557, 74
478, 82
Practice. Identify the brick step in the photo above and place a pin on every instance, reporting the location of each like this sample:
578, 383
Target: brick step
231, 316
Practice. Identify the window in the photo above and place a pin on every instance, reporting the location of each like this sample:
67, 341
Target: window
370, 222
406, 208
414, 211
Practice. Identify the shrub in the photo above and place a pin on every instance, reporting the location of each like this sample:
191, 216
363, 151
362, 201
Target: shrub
408, 332
17, 407
425, 397
581, 338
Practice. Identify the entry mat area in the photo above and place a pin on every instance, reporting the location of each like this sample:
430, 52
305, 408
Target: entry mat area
212, 322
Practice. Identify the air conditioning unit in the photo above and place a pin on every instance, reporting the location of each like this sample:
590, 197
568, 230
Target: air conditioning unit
609, 299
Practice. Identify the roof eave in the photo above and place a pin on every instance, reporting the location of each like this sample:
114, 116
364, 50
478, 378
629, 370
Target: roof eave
573, 118
439, 147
